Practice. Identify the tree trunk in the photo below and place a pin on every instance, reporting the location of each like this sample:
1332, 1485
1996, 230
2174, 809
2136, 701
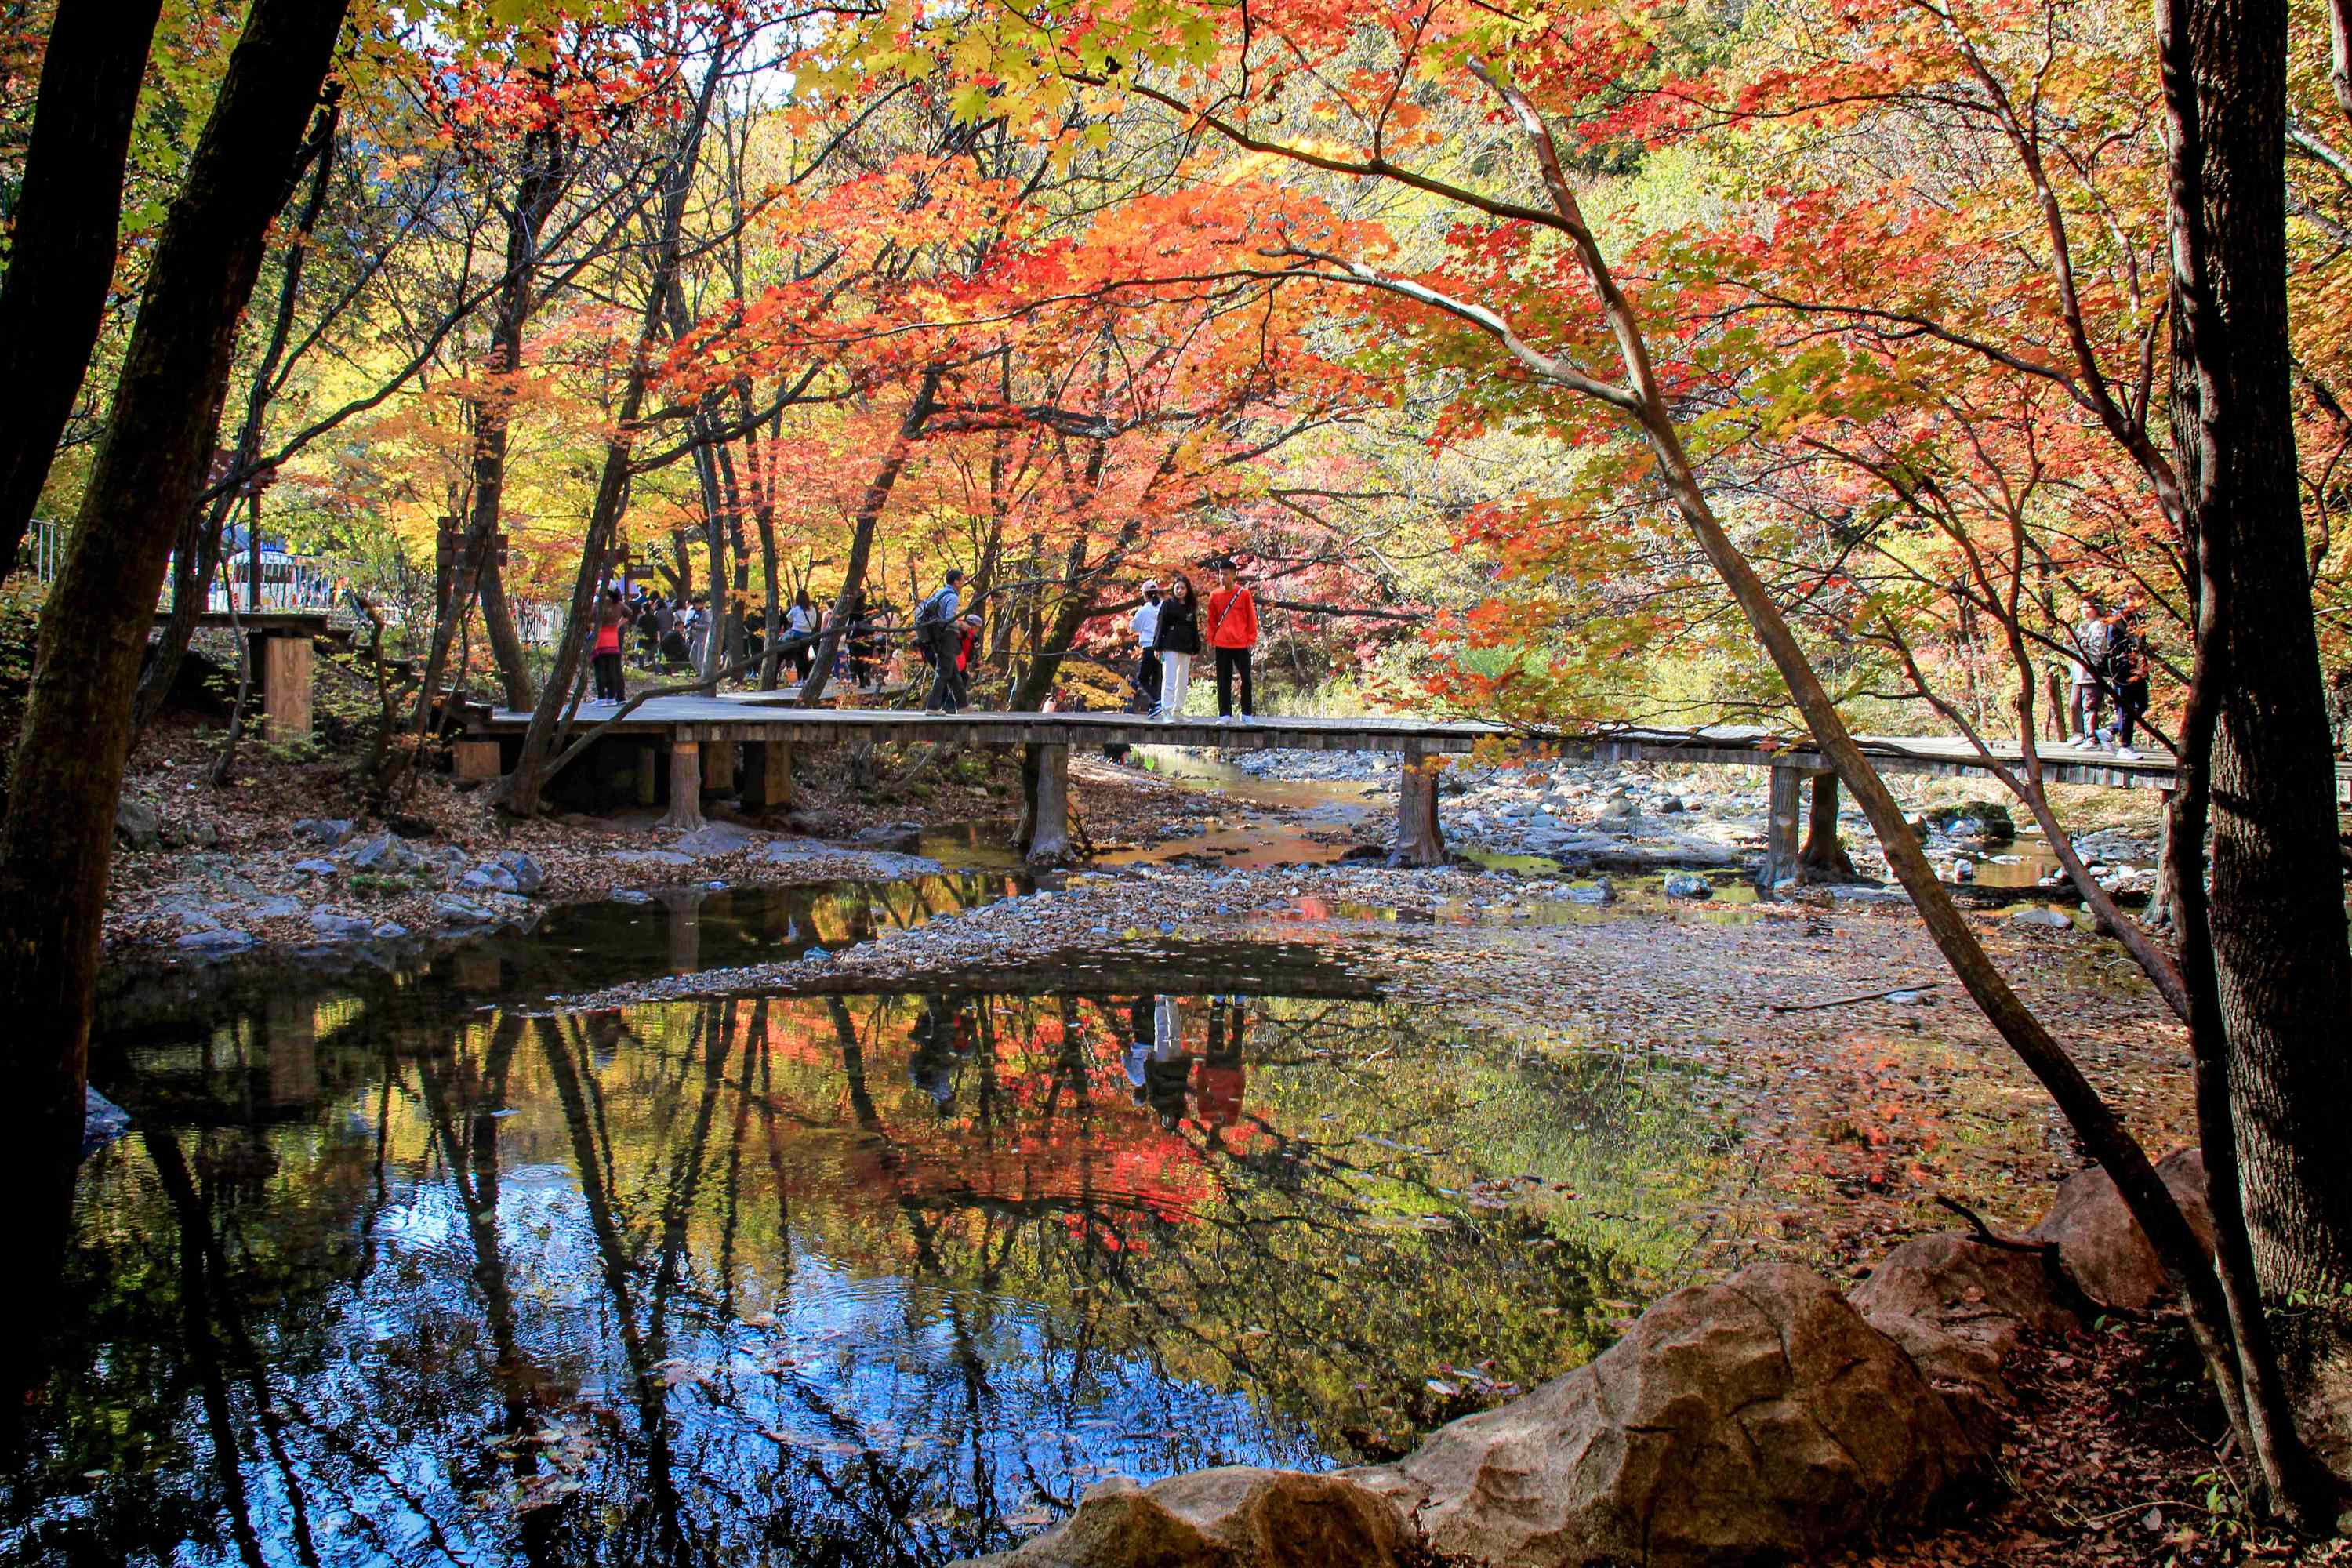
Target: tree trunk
861, 544
537, 189
54, 300
556, 698
2109, 1140
2277, 905
196, 552
57, 837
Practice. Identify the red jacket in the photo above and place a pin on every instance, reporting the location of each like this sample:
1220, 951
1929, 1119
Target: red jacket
1232, 620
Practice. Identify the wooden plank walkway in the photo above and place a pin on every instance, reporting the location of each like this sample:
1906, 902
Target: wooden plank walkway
770, 716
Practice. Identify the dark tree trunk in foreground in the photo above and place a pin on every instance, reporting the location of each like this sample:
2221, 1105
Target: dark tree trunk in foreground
67, 212
2284, 973
56, 838
2226, 59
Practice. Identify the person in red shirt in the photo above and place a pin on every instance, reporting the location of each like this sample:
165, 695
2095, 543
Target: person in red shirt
1231, 625
967, 659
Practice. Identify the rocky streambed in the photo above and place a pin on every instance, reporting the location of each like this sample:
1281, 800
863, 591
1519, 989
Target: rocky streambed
1610, 817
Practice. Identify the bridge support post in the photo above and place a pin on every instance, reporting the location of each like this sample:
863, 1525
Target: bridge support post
479, 759
718, 767
1419, 840
1824, 858
767, 775
1045, 835
1783, 806
684, 786
285, 666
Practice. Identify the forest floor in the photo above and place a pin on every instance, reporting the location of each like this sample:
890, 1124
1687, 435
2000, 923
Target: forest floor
1823, 1030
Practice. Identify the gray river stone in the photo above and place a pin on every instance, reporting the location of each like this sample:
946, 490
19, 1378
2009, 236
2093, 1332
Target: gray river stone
337, 926
379, 852
650, 857
214, 942
715, 840
138, 824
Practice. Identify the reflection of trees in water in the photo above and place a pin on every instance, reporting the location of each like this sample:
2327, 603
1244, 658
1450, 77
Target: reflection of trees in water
733, 1279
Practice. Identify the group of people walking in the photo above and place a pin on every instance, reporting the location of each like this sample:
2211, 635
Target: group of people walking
1171, 628
2109, 663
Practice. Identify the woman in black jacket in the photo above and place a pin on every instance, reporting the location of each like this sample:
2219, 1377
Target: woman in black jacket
1177, 638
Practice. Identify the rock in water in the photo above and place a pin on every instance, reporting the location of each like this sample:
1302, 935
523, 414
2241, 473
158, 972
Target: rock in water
1235, 1517
1686, 885
1754, 1419
1986, 821
102, 1121
2101, 1247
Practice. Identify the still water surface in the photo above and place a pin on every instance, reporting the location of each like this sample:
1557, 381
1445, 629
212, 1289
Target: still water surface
408, 1267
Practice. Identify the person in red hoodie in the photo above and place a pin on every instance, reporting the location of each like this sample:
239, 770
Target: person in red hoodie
1231, 625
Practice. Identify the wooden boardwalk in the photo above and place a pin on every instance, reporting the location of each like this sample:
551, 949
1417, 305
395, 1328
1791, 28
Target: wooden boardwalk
709, 739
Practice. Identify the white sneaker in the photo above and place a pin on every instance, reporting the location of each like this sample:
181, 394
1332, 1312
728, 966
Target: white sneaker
2126, 754
1249, 719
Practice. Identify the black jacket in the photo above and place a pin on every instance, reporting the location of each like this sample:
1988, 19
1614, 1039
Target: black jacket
1179, 627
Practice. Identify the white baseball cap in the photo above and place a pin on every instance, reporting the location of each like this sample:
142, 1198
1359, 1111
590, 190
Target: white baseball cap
1152, 584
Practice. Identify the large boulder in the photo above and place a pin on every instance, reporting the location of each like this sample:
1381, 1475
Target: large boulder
1959, 1307
1755, 1418
1234, 1517
2103, 1249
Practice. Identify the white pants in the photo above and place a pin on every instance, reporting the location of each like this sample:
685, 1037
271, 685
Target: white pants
1175, 681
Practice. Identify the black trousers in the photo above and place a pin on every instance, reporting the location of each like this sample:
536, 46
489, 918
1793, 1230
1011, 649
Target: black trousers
2131, 708
946, 692
608, 677
1229, 660
1147, 681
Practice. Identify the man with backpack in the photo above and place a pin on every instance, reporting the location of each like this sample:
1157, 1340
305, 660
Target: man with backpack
940, 634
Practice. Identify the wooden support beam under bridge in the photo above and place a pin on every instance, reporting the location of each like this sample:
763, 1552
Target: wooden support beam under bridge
769, 726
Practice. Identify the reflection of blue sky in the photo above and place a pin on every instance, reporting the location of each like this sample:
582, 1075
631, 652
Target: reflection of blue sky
849, 1382
945, 1419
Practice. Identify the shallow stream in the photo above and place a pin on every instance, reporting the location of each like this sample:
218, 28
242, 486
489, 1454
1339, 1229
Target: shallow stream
410, 1267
